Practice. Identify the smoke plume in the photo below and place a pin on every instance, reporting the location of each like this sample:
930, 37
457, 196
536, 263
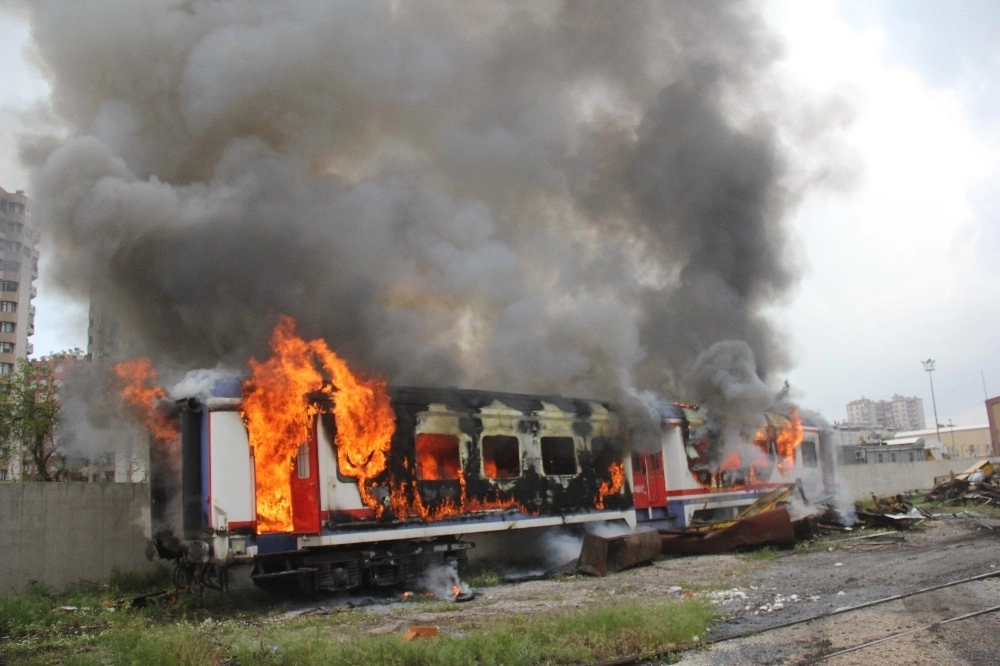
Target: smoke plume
576, 197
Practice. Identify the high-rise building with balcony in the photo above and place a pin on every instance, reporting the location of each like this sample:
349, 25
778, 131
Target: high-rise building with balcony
899, 413
18, 272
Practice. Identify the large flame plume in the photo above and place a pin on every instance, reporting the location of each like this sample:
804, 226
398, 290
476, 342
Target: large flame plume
280, 403
279, 407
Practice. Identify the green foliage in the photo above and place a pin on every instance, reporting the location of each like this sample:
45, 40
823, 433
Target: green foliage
29, 418
155, 577
480, 575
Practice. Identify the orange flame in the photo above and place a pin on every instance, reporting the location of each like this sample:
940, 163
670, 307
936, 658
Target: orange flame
617, 477
279, 407
140, 391
789, 438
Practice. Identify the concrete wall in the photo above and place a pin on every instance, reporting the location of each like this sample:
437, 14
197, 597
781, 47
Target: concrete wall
858, 482
60, 534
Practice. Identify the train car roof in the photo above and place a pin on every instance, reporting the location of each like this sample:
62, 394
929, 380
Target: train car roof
475, 399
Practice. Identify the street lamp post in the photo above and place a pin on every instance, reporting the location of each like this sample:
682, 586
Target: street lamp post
929, 368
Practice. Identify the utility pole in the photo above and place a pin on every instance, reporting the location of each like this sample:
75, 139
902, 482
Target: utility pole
929, 368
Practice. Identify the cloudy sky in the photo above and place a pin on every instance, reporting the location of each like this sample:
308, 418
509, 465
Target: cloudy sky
896, 247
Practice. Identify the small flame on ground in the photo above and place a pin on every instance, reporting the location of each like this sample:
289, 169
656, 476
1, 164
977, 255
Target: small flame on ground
140, 391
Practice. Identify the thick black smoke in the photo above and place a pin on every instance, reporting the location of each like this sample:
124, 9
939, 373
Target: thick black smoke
550, 196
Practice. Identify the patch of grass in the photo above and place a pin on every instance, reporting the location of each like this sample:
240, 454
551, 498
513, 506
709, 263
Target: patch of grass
604, 631
481, 576
156, 577
598, 634
39, 608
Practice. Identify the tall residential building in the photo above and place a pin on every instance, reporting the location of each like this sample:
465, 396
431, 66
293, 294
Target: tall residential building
108, 339
18, 271
899, 413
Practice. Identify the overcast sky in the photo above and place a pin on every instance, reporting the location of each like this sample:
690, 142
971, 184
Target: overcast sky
899, 257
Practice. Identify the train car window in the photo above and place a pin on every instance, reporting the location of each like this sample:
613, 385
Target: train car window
558, 456
437, 457
501, 456
808, 450
302, 461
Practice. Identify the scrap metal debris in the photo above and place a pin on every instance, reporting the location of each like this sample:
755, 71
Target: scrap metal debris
770, 528
978, 483
894, 512
766, 522
600, 555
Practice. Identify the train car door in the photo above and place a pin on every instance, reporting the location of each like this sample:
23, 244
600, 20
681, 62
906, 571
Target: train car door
649, 487
305, 489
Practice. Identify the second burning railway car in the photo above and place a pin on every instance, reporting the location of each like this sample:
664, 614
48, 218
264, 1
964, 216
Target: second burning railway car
691, 475
460, 462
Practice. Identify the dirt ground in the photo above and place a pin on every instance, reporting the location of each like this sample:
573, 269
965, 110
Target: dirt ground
754, 592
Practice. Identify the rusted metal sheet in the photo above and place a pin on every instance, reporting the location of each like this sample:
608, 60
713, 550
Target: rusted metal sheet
600, 556
769, 528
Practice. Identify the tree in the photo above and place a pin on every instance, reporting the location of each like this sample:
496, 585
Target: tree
29, 419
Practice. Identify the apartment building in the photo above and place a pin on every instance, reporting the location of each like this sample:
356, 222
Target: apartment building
898, 413
18, 272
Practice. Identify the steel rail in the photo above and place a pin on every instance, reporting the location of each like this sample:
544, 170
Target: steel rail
908, 632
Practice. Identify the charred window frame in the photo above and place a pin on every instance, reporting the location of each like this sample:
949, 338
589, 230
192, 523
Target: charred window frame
437, 456
809, 458
559, 456
501, 455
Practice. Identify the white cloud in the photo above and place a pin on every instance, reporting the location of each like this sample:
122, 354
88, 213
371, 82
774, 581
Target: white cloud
894, 275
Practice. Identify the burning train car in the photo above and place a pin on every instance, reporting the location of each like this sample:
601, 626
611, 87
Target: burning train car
692, 476
325, 481
333, 517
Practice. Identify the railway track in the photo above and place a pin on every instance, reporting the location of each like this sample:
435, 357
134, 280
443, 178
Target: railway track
820, 653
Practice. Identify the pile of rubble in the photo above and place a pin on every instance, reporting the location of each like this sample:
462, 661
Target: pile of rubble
978, 483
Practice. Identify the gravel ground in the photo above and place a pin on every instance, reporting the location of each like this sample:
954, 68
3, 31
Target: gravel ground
850, 573
754, 592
